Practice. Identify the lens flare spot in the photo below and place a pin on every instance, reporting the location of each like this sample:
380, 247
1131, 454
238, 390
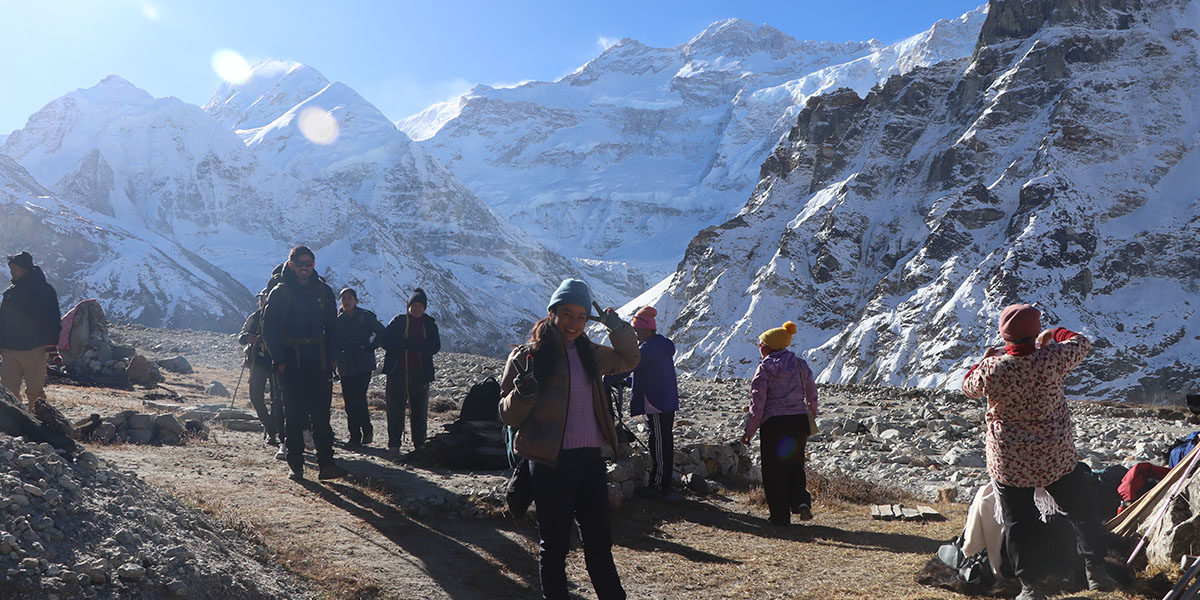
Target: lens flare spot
150, 11
786, 447
231, 67
318, 125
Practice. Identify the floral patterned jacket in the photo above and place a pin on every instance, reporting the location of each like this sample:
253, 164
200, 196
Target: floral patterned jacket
1030, 437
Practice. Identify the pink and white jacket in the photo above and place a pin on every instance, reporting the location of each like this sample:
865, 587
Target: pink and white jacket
1030, 438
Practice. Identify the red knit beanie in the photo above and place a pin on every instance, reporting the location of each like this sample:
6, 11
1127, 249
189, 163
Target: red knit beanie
644, 318
1020, 321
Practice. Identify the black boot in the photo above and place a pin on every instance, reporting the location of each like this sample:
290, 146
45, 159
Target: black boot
331, 471
297, 468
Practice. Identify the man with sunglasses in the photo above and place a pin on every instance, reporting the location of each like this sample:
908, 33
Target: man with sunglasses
300, 330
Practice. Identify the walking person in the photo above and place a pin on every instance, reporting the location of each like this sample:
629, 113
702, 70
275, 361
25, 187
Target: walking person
29, 322
259, 363
1030, 443
551, 391
656, 397
360, 332
782, 396
411, 340
300, 329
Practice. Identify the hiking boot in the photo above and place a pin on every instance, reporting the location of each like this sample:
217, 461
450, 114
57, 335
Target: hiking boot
368, 436
282, 454
803, 512
1031, 591
309, 444
783, 521
331, 471
1098, 579
297, 469
353, 443
394, 453
271, 441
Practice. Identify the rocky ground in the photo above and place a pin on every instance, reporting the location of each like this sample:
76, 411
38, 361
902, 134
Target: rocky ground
216, 516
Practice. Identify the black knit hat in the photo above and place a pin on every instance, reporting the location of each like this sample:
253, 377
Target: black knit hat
22, 259
418, 296
348, 290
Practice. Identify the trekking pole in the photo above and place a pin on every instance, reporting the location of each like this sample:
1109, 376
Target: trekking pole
235, 388
1191, 573
1162, 509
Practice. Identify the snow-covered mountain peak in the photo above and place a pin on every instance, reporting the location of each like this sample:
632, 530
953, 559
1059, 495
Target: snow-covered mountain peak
274, 86
736, 38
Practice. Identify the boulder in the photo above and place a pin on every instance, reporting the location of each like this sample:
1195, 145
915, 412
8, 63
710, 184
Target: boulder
217, 389
137, 436
143, 372
176, 364
168, 422
140, 421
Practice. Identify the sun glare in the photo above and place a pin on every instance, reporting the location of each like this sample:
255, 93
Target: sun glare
150, 11
318, 125
231, 67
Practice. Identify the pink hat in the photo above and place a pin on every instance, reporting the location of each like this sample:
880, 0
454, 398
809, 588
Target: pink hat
1020, 321
644, 318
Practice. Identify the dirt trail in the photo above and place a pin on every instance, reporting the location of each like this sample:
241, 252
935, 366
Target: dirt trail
399, 531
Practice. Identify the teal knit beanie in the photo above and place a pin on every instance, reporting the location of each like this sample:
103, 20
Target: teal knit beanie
573, 291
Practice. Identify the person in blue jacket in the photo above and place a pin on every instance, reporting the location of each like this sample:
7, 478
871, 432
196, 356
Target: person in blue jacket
656, 397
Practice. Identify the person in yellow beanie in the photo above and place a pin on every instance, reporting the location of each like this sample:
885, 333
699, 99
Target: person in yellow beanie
782, 395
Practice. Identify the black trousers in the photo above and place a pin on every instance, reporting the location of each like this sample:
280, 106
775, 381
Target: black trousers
354, 394
260, 381
574, 491
662, 449
782, 444
1027, 541
308, 394
410, 393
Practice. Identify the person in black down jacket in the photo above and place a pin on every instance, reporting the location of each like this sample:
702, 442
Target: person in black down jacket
360, 332
300, 329
29, 321
411, 341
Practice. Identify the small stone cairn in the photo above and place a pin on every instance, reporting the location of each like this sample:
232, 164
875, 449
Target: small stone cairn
140, 428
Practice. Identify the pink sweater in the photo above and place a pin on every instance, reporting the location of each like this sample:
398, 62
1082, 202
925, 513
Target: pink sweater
581, 429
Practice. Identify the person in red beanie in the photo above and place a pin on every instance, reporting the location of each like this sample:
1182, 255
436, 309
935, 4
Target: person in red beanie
1031, 445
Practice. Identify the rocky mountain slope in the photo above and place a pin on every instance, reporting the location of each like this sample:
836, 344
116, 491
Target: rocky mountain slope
1056, 165
624, 160
381, 214
87, 254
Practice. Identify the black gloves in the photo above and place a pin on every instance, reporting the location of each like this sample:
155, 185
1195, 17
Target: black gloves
526, 384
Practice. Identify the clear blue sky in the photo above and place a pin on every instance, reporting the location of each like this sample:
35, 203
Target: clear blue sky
401, 55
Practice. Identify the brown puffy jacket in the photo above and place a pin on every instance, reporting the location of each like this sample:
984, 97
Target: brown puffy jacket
541, 419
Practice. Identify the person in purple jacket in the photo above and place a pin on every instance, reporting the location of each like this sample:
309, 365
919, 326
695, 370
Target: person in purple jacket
782, 395
656, 396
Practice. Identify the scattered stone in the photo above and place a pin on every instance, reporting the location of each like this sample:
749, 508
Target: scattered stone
216, 388
177, 364
143, 372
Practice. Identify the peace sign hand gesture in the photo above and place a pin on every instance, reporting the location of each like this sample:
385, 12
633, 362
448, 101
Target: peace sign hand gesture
525, 382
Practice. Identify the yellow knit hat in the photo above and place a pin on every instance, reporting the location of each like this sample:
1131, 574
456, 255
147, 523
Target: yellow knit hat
778, 338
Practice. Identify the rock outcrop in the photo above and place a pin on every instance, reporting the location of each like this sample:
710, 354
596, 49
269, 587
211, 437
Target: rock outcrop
1056, 165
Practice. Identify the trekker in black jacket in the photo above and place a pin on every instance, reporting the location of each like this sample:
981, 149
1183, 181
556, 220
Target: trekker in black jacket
300, 329
259, 363
360, 332
29, 321
411, 340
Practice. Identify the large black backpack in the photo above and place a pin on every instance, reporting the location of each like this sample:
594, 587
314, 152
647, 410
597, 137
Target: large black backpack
482, 402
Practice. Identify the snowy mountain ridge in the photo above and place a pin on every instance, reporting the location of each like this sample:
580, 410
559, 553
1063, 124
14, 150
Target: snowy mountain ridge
381, 215
1055, 165
642, 147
